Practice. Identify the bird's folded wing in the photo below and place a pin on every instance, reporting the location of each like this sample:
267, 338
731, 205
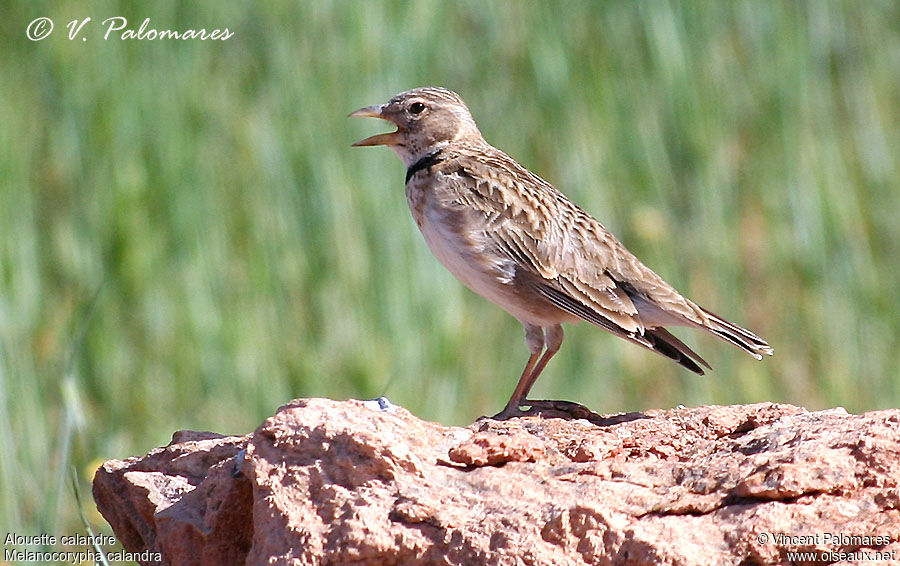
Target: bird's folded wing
587, 271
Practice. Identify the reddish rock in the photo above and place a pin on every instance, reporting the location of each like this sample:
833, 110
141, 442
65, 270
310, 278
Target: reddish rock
327, 482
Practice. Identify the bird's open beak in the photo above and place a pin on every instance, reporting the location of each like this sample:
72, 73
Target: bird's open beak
392, 138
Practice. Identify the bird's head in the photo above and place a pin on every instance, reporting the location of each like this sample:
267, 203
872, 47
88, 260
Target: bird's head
427, 119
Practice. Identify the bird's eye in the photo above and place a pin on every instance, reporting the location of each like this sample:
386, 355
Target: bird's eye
416, 107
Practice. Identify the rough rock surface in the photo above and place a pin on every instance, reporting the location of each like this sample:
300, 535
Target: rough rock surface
326, 482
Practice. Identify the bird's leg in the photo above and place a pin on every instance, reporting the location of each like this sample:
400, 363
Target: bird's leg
534, 338
537, 338
553, 338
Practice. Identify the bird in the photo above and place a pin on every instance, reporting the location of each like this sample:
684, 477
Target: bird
513, 238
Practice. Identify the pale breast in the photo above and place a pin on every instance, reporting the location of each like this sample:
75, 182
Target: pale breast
454, 235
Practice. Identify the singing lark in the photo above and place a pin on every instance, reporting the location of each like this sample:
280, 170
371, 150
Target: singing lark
514, 239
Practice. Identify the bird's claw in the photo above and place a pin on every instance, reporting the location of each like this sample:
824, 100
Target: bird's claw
548, 409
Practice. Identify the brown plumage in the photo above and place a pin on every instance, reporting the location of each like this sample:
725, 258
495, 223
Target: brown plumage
513, 238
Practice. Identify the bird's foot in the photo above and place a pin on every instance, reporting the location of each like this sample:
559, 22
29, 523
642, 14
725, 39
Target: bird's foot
548, 409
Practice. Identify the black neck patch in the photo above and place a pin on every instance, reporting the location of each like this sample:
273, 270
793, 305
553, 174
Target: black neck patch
423, 163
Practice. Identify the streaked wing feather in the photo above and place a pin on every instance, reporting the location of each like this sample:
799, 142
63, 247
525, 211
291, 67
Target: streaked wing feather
495, 185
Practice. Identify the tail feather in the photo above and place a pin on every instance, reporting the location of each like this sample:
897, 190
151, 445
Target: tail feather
663, 342
740, 337
671, 340
653, 335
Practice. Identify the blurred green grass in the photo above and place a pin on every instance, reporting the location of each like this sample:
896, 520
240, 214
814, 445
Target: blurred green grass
188, 240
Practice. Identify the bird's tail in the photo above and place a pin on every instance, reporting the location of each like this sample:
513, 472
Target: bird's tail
663, 342
740, 337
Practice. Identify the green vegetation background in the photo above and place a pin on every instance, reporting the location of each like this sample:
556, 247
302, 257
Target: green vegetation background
187, 239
